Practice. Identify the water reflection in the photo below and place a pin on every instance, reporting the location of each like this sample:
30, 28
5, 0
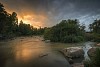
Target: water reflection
23, 54
2, 59
26, 52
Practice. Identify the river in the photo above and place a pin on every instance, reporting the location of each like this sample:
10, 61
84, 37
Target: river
29, 52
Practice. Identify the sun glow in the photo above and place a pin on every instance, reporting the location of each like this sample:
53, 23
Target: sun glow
34, 20
30, 17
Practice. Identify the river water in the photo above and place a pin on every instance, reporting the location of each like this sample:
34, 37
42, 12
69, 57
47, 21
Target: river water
86, 47
29, 52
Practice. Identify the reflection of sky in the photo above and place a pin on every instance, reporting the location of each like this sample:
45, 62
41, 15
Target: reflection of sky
28, 50
50, 12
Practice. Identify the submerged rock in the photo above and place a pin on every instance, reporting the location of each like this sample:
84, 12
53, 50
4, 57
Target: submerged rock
43, 55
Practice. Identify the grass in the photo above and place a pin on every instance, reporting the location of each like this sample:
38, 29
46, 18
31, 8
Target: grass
59, 46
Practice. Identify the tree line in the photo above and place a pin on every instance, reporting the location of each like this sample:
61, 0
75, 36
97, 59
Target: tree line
65, 31
10, 27
71, 31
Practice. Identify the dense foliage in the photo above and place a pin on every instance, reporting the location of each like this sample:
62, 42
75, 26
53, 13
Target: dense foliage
95, 26
10, 27
96, 58
94, 31
65, 31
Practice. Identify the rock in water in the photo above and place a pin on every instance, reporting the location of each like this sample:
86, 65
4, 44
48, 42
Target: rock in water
73, 52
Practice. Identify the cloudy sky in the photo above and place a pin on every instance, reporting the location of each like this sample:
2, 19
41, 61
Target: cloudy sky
50, 12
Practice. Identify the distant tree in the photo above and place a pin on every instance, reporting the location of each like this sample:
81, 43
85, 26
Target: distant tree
95, 30
40, 31
66, 31
13, 23
9, 25
95, 26
25, 29
4, 17
96, 58
47, 33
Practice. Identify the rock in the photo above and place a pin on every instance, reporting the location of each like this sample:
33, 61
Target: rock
78, 65
98, 44
42, 40
91, 52
47, 41
70, 61
73, 52
43, 55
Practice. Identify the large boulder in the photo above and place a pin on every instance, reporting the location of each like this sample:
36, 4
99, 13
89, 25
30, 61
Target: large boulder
91, 52
73, 52
98, 44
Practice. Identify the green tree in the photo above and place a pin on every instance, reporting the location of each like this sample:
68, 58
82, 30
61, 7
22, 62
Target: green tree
95, 26
95, 30
66, 31
25, 29
96, 58
4, 17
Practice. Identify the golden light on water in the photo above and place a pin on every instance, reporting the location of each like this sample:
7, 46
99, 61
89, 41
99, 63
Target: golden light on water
25, 53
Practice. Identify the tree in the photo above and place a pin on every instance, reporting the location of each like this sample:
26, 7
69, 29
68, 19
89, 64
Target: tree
66, 31
4, 17
95, 30
95, 26
96, 58
25, 29
9, 25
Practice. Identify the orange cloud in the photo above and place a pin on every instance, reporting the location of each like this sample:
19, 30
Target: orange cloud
34, 19
28, 16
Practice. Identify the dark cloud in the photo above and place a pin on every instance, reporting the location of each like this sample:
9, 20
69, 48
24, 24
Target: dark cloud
55, 10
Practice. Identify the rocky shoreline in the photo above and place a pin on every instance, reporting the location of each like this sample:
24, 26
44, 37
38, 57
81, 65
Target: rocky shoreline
75, 55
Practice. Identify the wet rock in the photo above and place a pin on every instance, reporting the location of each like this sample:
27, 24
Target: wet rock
91, 52
71, 61
43, 55
73, 52
78, 65
47, 41
98, 44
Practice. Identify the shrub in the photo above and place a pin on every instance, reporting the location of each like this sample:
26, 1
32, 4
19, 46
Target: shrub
96, 58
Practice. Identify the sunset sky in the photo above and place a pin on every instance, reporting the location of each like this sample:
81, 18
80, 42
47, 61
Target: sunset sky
50, 12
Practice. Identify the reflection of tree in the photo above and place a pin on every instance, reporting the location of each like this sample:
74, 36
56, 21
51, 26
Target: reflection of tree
5, 54
3, 58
